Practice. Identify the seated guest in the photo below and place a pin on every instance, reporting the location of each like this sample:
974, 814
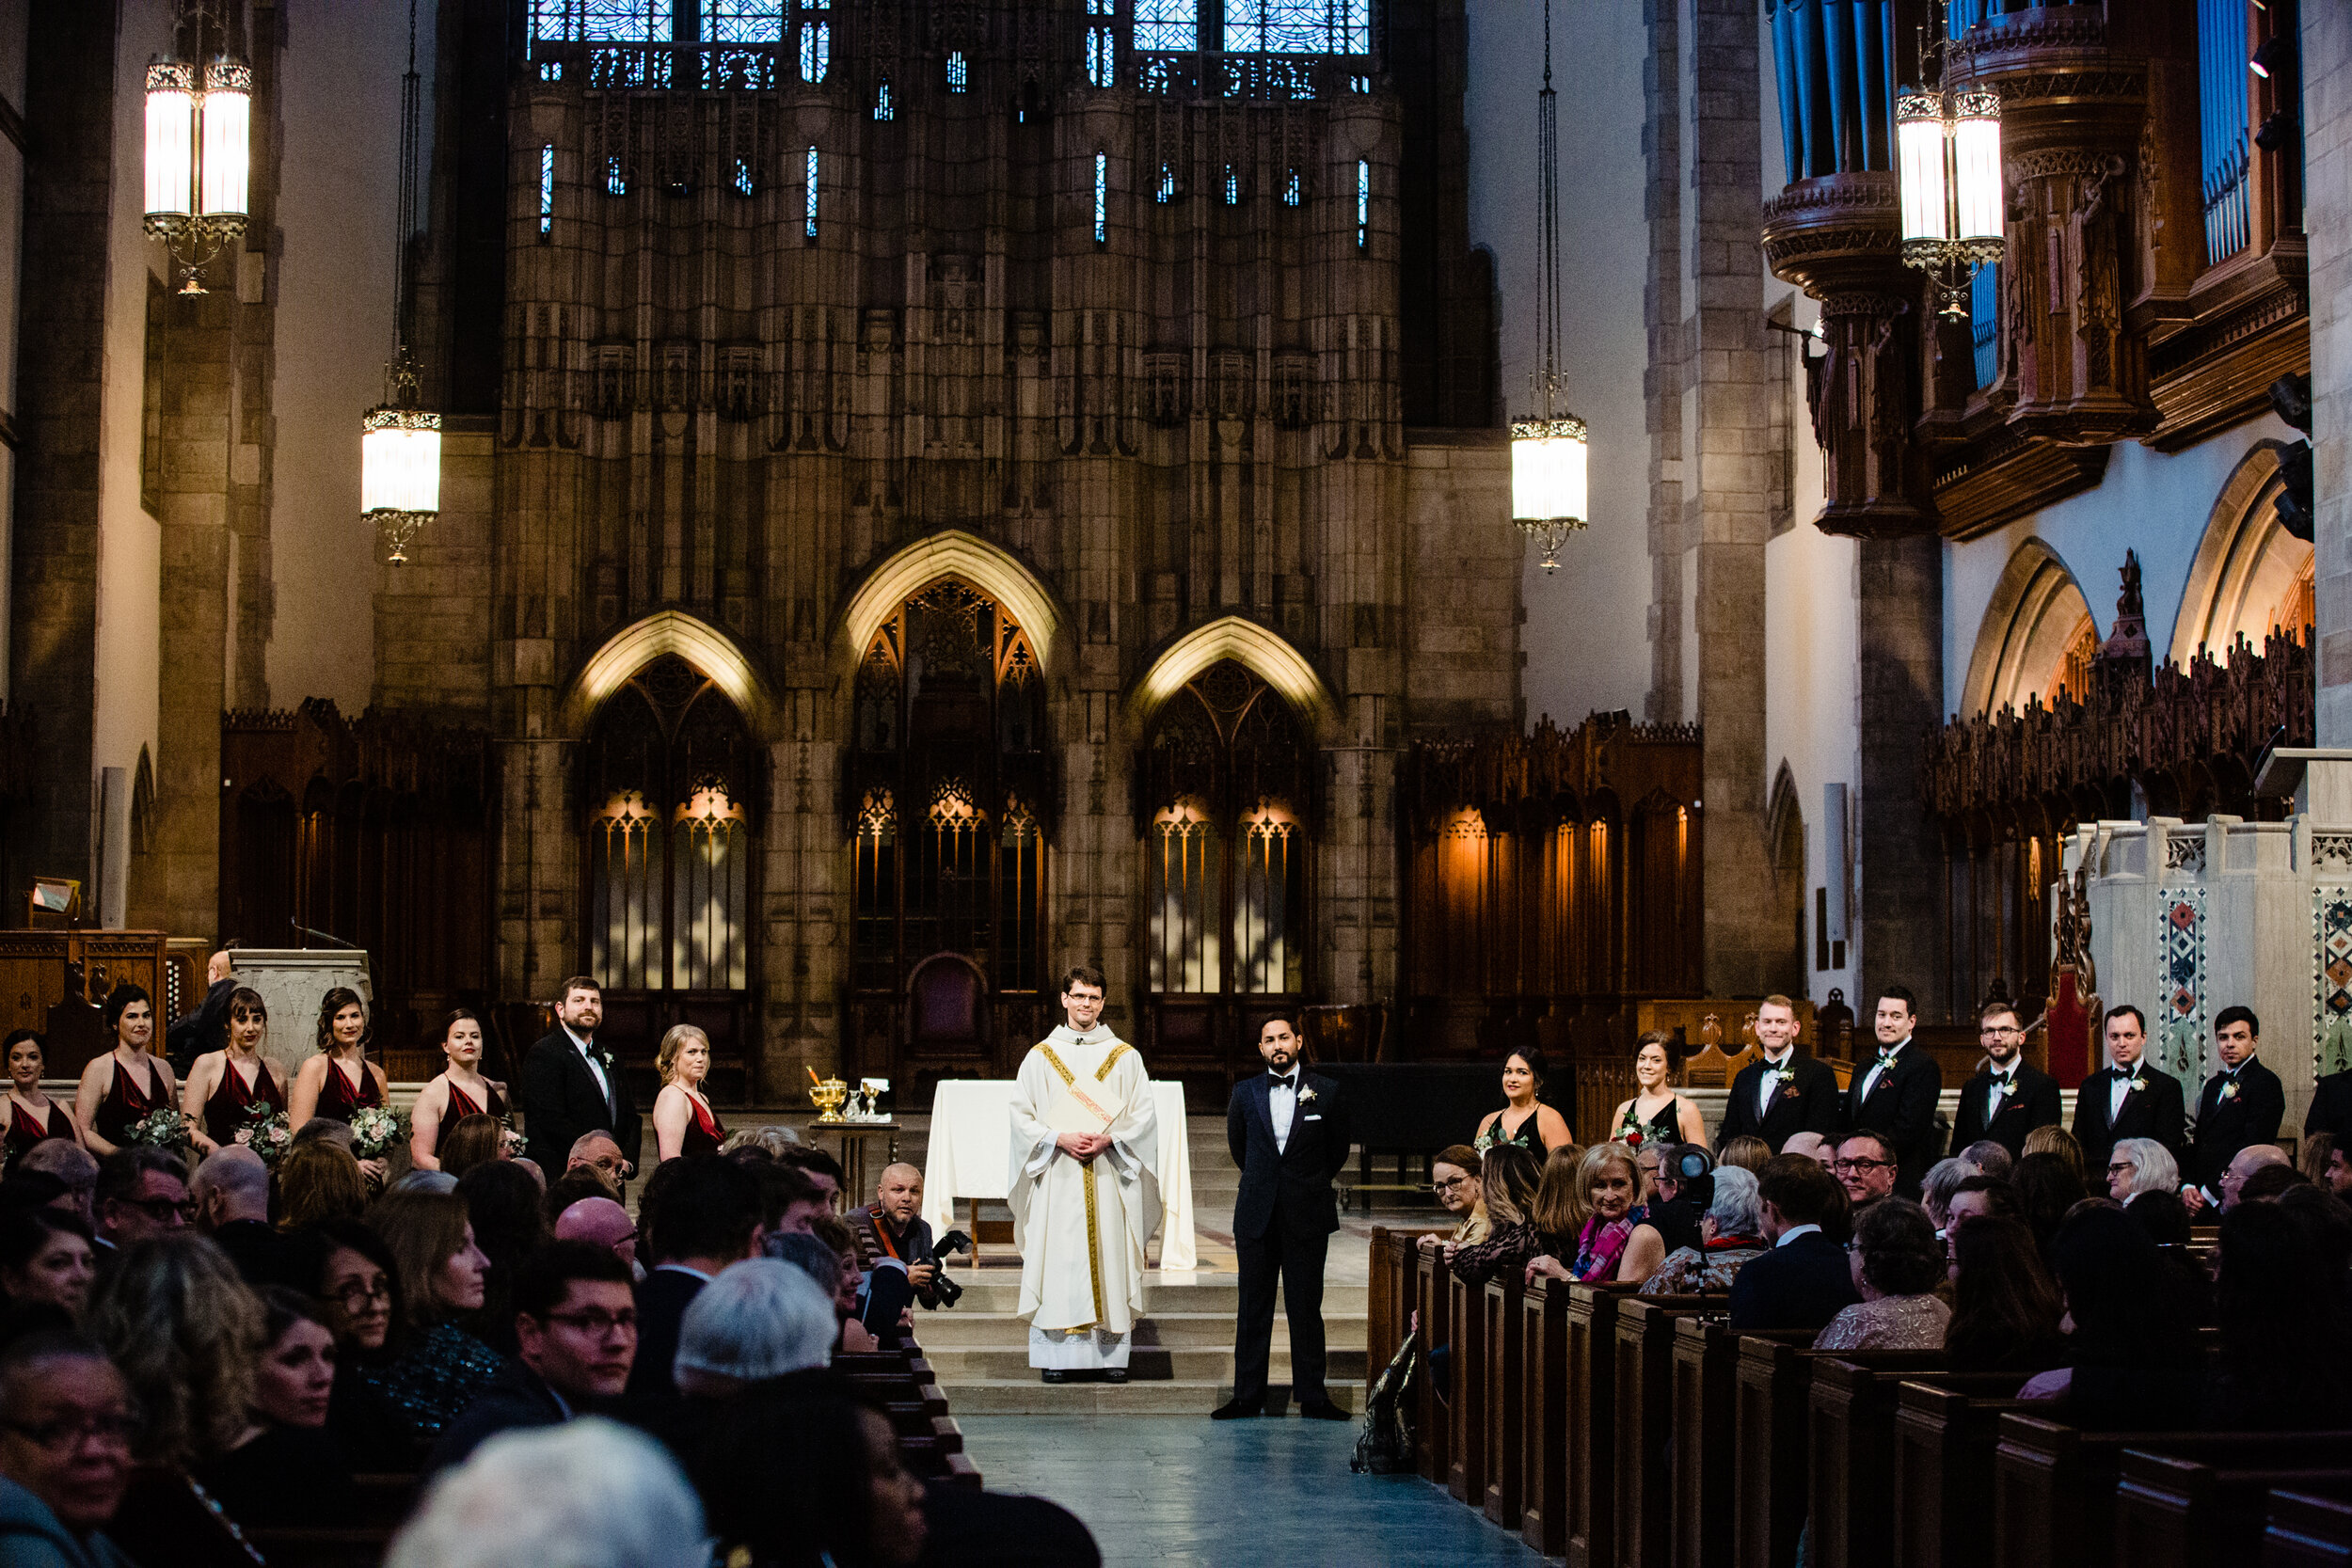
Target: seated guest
45, 1257
2281, 1306
187, 1334
2056, 1140
1895, 1266
509, 1226
475, 1140
588, 1493
704, 1216
1987, 1158
1508, 1175
2005, 1306
2336, 1171
71, 1163
232, 1193
1803, 1281
807, 1478
813, 1163
142, 1193
597, 1151
2131, 1360
1937, 1187
576, 1333
1747, 1151
1523, 1120
2164, 1218
1866, 1167
770, 1142
2267, 1183
571, 1187
1453, 1177
759, 1321
285, 1469
439, 1367
318, 1180
1618, 1244
358, 1288
2313, 1157
1685, 1186
895, 1250
2046, 1191
831, 1233
791, 1198
2136, 1166
603, 1222
66, 1423
2245, 1163
1562, 1207
1810, 1146
1731, 1237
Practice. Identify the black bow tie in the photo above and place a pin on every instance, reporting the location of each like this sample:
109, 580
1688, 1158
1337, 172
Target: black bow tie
2005, 1079
1282, 1080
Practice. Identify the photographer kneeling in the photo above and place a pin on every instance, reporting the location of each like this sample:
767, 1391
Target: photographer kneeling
896, 1249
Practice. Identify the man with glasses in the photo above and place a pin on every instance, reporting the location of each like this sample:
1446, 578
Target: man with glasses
1898, 1091
576, 1333
142, 1192
65, 1452
2127, 1098
2008, 1098
1866, 1167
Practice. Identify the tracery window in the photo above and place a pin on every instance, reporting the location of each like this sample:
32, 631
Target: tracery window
1168, 25
601, 20
743, 21
1298, 26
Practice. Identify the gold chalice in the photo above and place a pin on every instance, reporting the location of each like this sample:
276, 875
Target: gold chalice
827, 1094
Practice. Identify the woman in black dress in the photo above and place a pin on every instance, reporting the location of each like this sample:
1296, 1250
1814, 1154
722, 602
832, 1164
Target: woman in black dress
126, 1085
224, 1086
339, 1079
1656, 1114
1523, 1120
33, 1117
459, 1092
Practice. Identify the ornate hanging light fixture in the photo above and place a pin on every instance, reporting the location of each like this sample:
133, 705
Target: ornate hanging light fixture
1549, 449
1947, 145
199, 116
400, 442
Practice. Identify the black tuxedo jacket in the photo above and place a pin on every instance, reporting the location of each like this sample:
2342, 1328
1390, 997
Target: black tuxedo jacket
1294, 1183
2331, 1107
1801, 1285
662, 1298
2154, 1110
1901, 1105
2223, 1127
1807, 1103
2032, 1101
561, 1101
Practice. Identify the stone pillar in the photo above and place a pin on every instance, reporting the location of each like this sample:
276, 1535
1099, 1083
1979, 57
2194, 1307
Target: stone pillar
2328, 222
1900, 936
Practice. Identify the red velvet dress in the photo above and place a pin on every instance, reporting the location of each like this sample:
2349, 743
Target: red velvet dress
705, 1133
338, 1100
232, 1102
24, 1130
459, 1108
126, 1103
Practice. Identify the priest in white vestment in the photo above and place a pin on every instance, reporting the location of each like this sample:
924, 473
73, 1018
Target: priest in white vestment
1083, 1202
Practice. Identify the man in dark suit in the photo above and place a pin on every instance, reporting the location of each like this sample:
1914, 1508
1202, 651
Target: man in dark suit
1784, 1091
2331, 1108
572, 1085
706, 1215
576, 1327
1287, 1130
1803, 1282
1896, 1094
232, 1195
2006, 1099
2128, 1099
2242, 1104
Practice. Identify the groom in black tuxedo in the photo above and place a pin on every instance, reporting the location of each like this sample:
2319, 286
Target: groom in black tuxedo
1287, 1132
572, 1085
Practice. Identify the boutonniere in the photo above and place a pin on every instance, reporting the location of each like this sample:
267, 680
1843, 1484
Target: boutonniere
2131, 1086
1778, 1075
603, 1057
1307, 1097
2228, 1091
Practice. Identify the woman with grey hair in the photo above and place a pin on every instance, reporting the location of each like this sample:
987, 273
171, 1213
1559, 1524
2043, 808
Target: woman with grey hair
2138, 1165
1942, 1181
588, 1493
1731, 1235
760, 1319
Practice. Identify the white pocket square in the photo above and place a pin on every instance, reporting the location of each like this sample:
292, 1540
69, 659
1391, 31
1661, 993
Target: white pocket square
1315, 1119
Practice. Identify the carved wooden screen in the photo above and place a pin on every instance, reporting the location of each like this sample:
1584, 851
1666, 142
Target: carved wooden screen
1225, 801
946, 796
671, 791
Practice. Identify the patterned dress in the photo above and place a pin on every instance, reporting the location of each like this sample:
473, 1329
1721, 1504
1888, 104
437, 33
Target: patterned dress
1891, 1322
437, 1375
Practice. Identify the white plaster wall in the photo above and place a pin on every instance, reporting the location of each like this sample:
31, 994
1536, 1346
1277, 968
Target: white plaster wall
130, 544
338, 190
2153, 502
1586, 636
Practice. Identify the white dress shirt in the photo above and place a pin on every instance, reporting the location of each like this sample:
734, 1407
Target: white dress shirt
1767, 1083
2002, 1084
2118, 1090
1885, 1061
604, 1086
1793, 1233
1281, 1103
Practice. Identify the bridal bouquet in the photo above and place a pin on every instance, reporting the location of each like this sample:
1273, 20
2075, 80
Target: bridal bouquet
162, 1128
267, 1134
376, 1131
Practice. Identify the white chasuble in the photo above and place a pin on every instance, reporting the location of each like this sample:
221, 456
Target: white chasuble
1080, 1226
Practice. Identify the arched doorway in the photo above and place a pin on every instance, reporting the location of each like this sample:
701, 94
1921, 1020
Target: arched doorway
948, 792
673, 792
1226, 832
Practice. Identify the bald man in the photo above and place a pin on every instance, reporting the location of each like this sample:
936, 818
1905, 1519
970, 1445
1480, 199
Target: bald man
232, 1195
894, 1247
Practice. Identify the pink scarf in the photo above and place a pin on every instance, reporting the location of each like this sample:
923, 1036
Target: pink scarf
1602, 1244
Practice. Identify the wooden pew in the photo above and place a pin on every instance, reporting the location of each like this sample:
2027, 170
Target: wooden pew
1465, 1454
2307, 1530
1433, 1430
2054, 1486
1705, 1440
902, 1381
1773, 1406
1591, 1339
1944, 1437
2175, 1512
1644, 1438
1544, 1446
1506, 1387
1851, 1484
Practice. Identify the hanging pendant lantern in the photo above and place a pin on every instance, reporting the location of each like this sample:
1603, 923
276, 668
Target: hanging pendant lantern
1550, 450
200, 154
1947, 146
400, 441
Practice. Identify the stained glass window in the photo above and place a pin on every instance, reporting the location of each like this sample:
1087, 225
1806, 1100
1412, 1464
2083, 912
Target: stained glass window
1364, 201
615, 183
1298, 26
1291, 192
601, 20
1167, 188
743, 21
1168, 25
959, 73
811, 208
546, 188
815, 50
1101, 196
742, 182
1102, 56
1232, 187
883, 106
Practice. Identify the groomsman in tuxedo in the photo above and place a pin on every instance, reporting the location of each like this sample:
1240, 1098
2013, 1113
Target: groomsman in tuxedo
1287, 1130
2331, 1109
572, 1085
1783, 1092
2007, 1099
2128, 1099
2243, 1104
1897, 1095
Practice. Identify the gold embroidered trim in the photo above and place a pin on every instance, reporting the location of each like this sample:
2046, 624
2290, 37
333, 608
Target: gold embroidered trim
1103, 1072
1047, 1052
1094, 1244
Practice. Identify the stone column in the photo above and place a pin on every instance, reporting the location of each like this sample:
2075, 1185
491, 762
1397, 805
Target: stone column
2328, 222
1900, 936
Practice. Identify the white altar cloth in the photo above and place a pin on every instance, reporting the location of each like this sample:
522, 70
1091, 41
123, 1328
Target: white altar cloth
971, 1151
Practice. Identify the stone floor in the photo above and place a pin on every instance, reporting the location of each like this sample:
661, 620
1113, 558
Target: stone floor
1165, 1490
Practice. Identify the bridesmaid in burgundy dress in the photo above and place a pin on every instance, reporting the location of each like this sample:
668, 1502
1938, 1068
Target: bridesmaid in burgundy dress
683, 1121
126, 1084
225, 1085
339, 1079
33, 1117
456, 1094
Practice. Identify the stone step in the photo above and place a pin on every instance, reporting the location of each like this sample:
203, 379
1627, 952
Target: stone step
999, 1290
958, 1367
961, 1330
1026, 1396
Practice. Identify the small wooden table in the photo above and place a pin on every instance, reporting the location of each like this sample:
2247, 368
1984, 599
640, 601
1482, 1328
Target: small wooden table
855, 1136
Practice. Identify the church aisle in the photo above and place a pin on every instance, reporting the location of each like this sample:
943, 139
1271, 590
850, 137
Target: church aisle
1174, 1490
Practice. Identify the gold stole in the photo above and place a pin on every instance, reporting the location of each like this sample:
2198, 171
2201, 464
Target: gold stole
1086, 1176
